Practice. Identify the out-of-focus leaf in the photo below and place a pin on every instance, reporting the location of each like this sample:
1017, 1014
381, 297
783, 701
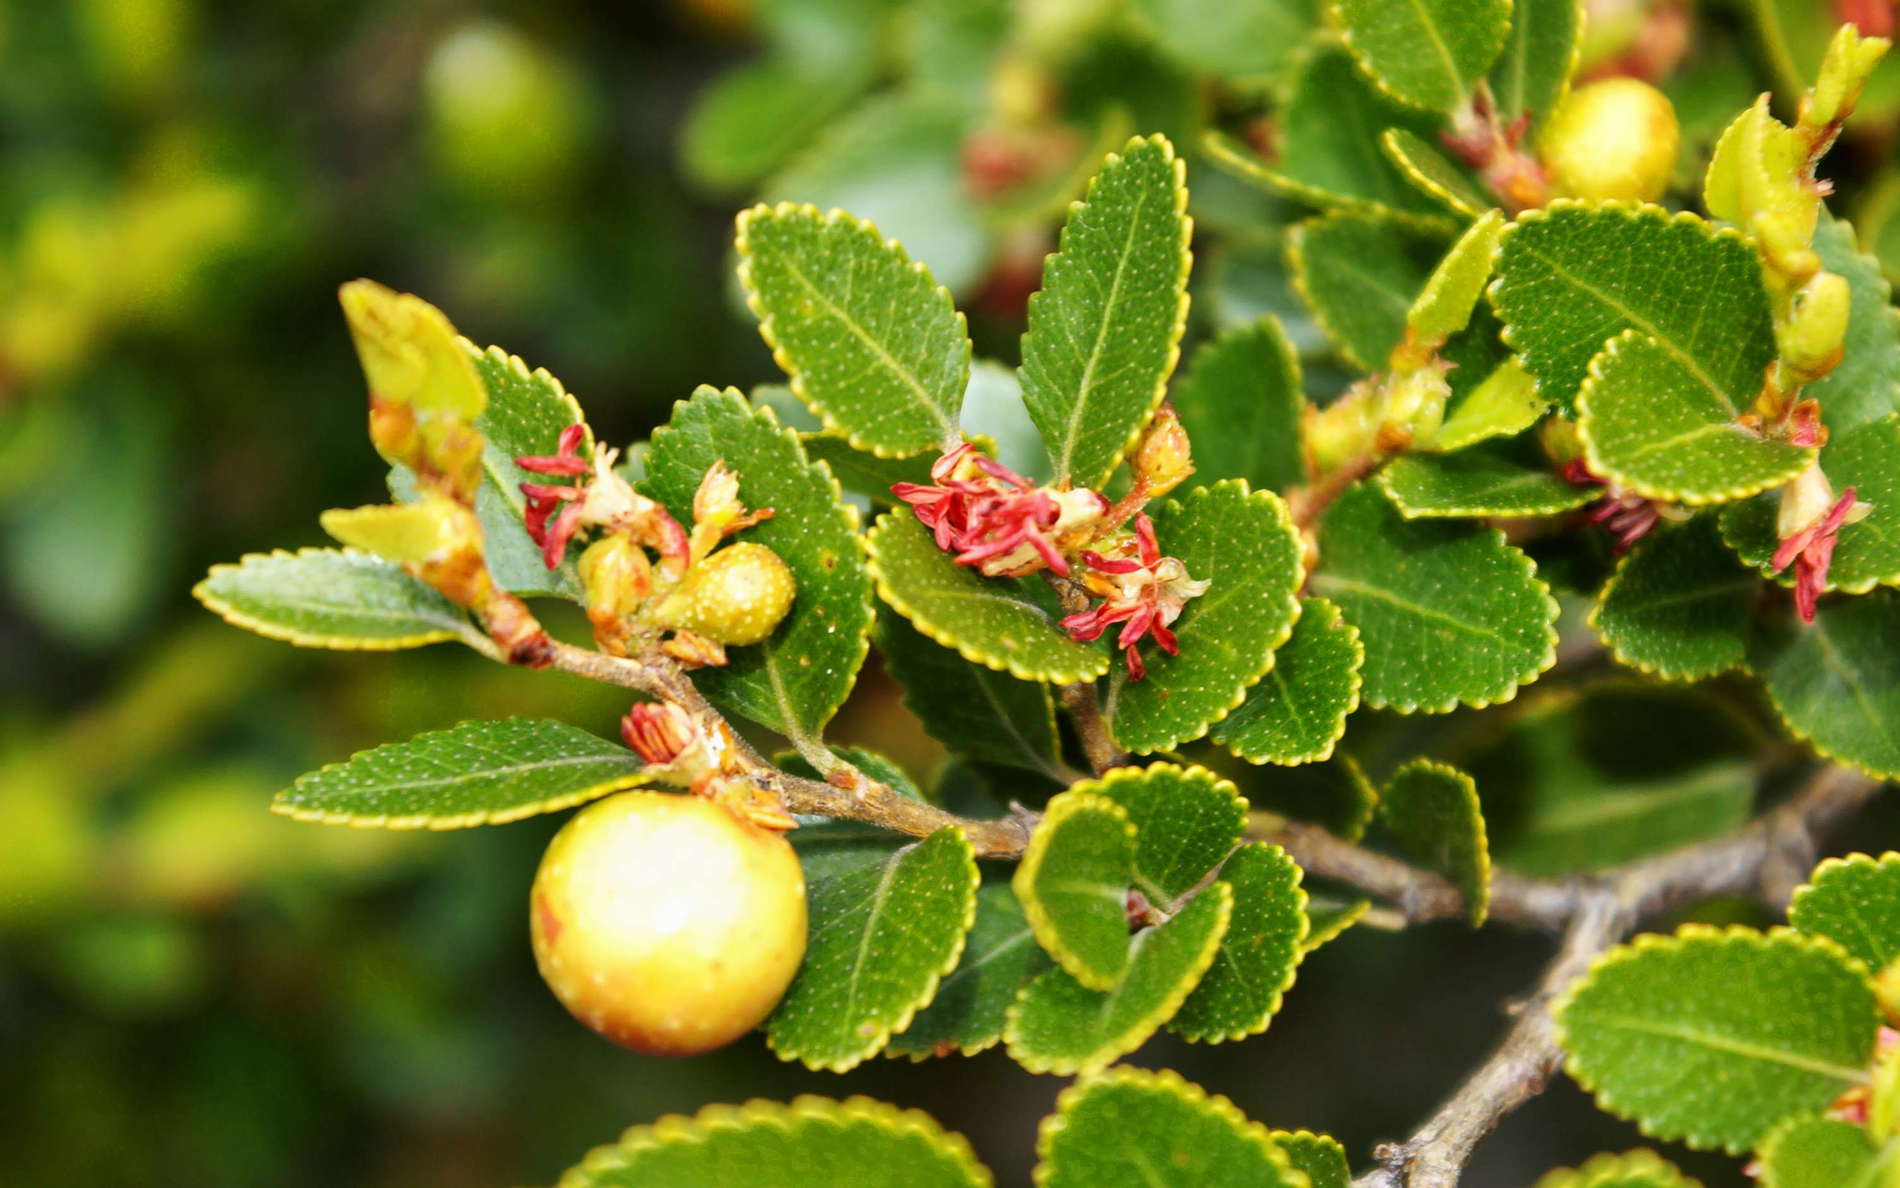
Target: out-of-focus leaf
1127, 1125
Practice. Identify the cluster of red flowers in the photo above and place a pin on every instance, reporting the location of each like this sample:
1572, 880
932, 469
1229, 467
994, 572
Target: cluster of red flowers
598, 498
1627, 517
1811, 550
999, 522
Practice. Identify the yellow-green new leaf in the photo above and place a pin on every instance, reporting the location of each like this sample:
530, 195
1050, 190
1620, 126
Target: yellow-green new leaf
1818, 1152
1105, 330
1444, 306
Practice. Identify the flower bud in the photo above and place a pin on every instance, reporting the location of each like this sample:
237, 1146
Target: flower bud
1164, 459
659, 732
616, 576
1845, 68
1813, 335
1415, 405
738, 595
1612, 139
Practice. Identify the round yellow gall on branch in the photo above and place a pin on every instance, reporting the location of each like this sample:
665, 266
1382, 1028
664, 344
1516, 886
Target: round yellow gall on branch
1613, 139
666, 923
737, 596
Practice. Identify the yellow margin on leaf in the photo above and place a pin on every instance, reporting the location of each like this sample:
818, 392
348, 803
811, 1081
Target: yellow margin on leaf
1167, 1081
1242, 163
1300, 950
876, 1038
1059, 809
1337, 622
1683, 937
436, 823
1396, 151
795, 378
1479, 906
1338, 924
309, 639
1616, 1169
1339, 22
1677, 675
804, 1111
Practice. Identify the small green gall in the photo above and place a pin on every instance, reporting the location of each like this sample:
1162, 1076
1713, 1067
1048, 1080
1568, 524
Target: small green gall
1415, 405
1164, 459
1814, 334
1613, 139
737, 596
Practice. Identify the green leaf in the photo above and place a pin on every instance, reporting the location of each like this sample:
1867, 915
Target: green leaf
1332, 114
1632, 1169
972, 1001
862, 472
1186, 820
1653, 420
1855, 902
1244, 543
1105, 330
1448, 612
525, 414
1241, 403
894, 162
1000, 623
1360, 276
329, 598
474, 773
1422, 164
1613, 773
1695, 1037
1254, 967
1238, 41
886, 925
1318, 1155
1429, 53
763, 1144
1539, 56
1433, 811
1057, 1025
1073, 884
1445, 305
1132, 1126
1866, 385
872, 344
1836, 681
1503, 403
752, 118
1572, 276
1817, 1152
1678, 606
1866, 554
795, 680
1481, 481
1326, 919
973, 710
1297, 712
1334, 793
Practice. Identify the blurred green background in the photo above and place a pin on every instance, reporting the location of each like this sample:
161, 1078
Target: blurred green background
196, 992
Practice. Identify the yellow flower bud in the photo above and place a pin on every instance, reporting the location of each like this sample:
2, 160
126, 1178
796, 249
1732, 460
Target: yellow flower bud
1613, 139
616, 576
1164, 459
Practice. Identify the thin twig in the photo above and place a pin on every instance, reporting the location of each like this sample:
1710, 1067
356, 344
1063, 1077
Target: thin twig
1085, 710
1768, 859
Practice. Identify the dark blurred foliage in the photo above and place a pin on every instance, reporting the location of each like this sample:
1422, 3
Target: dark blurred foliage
193, 991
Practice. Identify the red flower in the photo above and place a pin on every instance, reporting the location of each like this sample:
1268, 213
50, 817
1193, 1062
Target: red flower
598, 498
1140, 589
1629, 518
1811, 550
545, 501
943, 506
997, 520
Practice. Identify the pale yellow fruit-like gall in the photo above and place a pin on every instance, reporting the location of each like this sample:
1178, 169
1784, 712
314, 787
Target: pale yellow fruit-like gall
1613, 139
737, 595
666, 923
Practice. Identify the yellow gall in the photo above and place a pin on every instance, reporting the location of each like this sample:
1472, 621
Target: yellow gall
737, 595
1612, 139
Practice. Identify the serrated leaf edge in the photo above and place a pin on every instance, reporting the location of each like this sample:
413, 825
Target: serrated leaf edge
1100, 785
1855, 861
1338, 22
1475, 912
1059, 809
1683, 937
877, 1038
1552, 507
1634, 211
1808, 740
1392, 146
1316, 938
1144, 1027
795, 378
1221, 150
1049, 763
948, 639
1599, 1169
679, 1129
1177, 166
1300, 950
1219, 715
553, 804
1351, 706
1296, 267
306, 639
847, 511
1165, 1079
1682, 675
1585, 418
